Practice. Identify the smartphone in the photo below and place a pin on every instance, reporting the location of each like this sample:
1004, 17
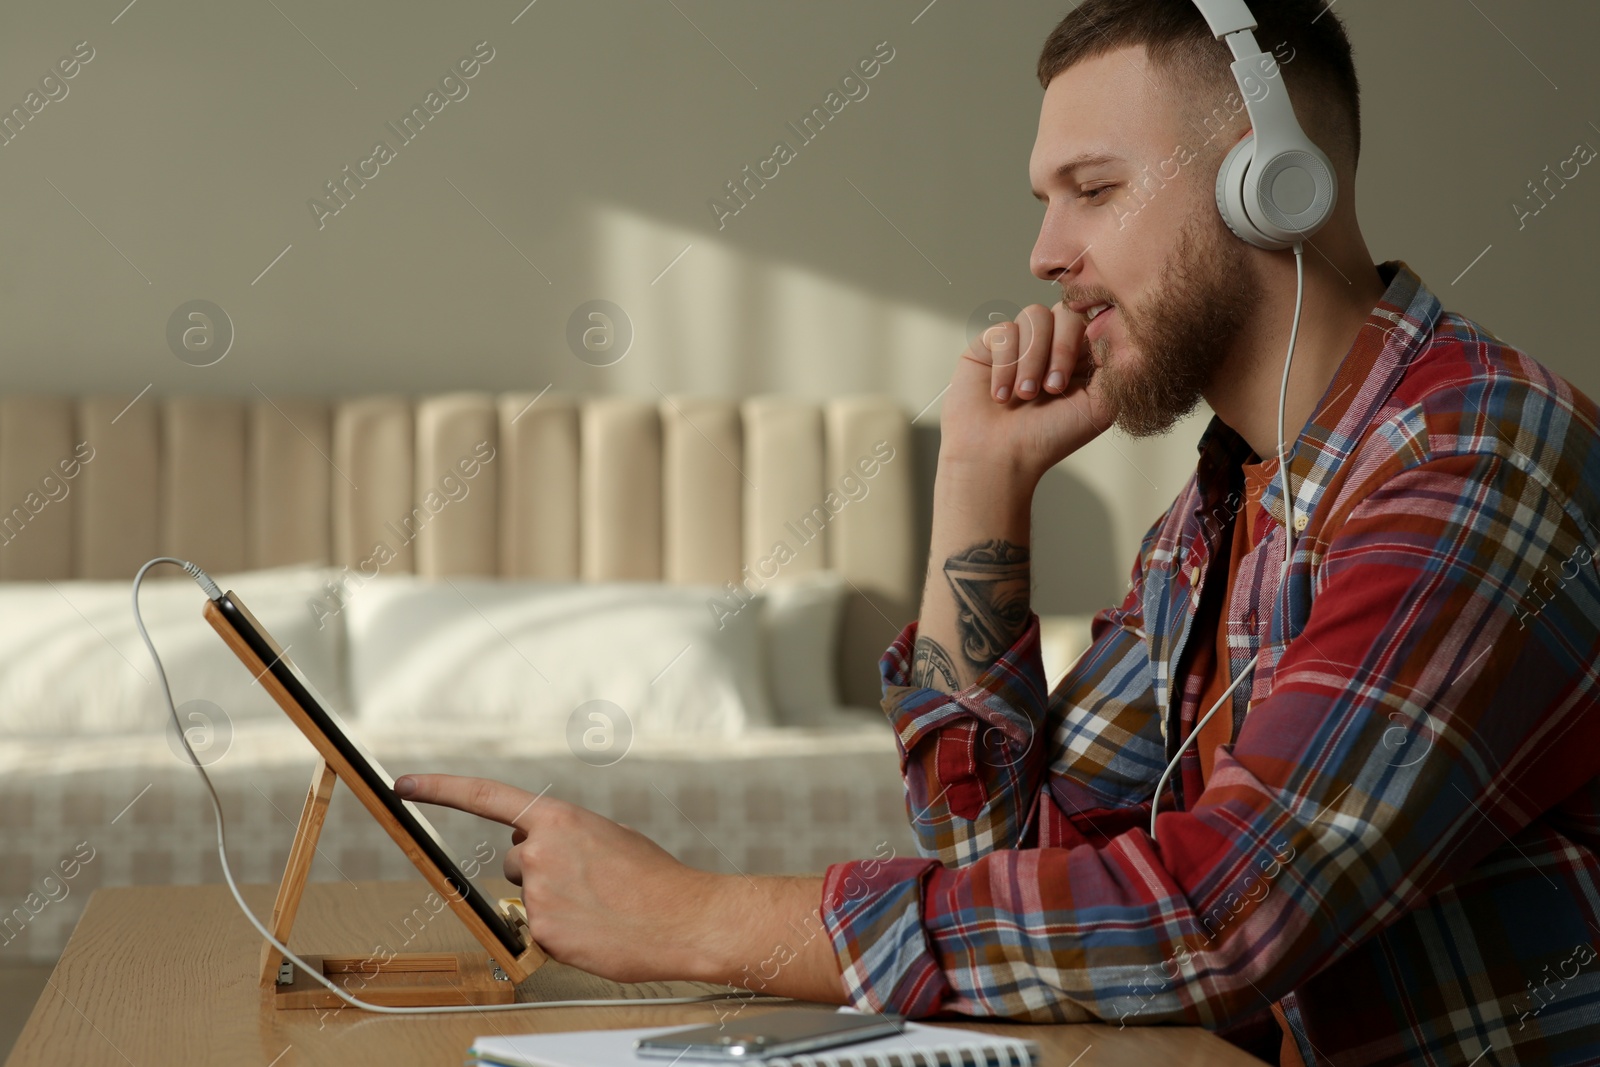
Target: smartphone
778, 1033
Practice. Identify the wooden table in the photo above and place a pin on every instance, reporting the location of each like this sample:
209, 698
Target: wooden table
167, 975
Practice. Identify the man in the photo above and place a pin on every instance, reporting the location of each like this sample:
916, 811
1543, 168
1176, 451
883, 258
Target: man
1385, 847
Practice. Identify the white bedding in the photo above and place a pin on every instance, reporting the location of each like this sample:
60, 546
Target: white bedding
525, 654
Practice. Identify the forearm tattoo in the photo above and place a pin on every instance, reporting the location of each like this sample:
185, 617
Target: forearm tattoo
932, 667
990, 584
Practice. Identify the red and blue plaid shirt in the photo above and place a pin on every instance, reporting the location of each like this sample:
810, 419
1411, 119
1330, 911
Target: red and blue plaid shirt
1402, 844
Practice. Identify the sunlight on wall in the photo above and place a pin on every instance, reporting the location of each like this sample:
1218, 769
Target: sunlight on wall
720, 321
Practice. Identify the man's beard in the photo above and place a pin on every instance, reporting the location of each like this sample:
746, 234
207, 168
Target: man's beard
1181, 335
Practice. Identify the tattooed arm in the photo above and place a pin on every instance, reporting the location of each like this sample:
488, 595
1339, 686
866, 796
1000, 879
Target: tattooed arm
976, 770
994, 446
975, 599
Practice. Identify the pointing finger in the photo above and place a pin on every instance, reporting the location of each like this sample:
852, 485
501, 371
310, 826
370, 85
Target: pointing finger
483, 797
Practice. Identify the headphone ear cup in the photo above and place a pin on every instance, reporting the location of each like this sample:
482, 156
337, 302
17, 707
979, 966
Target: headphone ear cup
1271, 204
1231, 179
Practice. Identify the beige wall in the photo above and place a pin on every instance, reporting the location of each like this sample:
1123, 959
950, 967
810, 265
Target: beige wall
580, 163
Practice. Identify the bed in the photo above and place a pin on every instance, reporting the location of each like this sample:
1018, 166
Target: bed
668, 609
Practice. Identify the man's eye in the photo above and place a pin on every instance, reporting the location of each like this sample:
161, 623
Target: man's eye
1092, 194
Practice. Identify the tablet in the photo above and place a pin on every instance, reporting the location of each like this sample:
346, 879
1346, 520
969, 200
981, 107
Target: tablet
366, 778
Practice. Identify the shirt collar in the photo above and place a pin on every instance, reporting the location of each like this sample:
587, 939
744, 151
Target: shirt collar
1393, 334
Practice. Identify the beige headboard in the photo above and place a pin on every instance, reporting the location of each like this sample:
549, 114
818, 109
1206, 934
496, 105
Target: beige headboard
676, 488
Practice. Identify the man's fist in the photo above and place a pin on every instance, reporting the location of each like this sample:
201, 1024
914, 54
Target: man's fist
1023, 396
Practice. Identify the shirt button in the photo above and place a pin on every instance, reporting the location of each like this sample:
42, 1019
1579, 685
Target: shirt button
1300, 521
1194, 575
1250, 622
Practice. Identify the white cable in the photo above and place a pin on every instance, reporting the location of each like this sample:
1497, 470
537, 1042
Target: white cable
1288, 526
213, 592
1283, 396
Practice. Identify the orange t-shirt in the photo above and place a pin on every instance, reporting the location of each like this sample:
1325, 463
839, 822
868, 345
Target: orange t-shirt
1212, 661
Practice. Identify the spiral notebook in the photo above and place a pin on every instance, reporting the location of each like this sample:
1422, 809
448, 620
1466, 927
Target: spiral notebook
918, 1046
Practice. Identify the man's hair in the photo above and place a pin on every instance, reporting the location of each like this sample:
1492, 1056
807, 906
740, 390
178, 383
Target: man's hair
1306, 38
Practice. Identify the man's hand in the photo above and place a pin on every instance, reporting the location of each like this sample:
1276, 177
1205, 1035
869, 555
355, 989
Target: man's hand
595, 892
1022, 397
607, 899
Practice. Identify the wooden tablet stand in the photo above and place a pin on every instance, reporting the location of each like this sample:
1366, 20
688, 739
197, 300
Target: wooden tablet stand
424, 979
405, 980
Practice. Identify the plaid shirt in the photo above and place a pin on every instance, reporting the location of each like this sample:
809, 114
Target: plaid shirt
1401, 846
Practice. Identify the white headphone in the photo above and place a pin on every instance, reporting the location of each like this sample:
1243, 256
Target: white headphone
1275, 186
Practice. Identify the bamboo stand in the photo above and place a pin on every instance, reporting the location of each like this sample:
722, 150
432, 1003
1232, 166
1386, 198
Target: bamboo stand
426, 979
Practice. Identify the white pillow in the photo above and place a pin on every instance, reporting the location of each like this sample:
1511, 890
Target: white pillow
527, 654
801, 620
72, 663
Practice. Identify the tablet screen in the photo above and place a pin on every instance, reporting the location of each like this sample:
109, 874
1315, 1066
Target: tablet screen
407, 814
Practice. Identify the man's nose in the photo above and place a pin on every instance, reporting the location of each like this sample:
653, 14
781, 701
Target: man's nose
1057, 252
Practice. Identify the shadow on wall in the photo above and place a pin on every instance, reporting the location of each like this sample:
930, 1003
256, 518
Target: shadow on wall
1075, 561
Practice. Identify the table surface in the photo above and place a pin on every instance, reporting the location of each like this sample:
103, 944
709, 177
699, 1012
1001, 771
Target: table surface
167, 975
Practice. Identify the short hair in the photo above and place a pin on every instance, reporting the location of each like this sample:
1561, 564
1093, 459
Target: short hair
1319, 70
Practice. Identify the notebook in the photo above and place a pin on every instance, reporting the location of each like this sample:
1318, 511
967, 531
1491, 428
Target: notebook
918, 1046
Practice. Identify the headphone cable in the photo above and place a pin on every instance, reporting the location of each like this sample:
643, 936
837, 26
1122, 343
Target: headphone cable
1288, 526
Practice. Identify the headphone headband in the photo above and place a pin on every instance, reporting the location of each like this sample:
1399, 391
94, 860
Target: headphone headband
1226, 16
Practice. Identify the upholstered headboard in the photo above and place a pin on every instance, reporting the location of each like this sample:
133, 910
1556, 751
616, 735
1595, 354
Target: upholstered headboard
676, 488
